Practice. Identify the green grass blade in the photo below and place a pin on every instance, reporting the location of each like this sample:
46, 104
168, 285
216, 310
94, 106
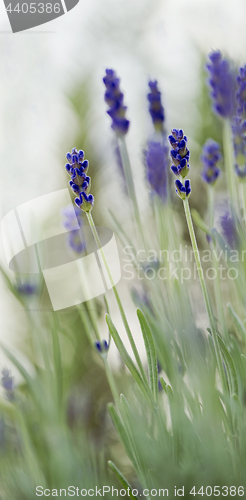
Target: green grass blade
126, 358
121, 432
230, 367
122, 479
151, 353
238, 322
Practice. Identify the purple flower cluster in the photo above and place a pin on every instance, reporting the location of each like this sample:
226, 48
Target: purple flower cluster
222, 83
102, 346
229, 229
183, 190
155, 106
239, 142
73, 219
114, 98
26, 289
80, 183
157, 162
210, 157
180, 156
241, 93
239, 127
8, 384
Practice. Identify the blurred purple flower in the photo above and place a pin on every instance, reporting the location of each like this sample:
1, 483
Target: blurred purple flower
239, 142
73, 218
229, 229
222, 83
241, 93
156, 161
210, 157
7, 383
26, 289
155, 106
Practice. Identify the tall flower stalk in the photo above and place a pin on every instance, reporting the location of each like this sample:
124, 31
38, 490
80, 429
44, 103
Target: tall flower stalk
86, 201
222, 84
239, 135
180, 155
211, 156
114, 98
157, 166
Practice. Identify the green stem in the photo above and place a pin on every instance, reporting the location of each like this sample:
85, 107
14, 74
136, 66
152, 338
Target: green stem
111, 382
204, 290
130, 184
242, 193
218, 299
229, 159
120, 306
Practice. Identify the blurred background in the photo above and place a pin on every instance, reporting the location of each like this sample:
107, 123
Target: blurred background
52, 99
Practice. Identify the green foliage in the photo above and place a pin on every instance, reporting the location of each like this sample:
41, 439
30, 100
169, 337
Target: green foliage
178, 416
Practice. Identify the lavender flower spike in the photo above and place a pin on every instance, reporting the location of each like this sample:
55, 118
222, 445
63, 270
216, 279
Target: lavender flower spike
114, 98
239, 127
179, 153
80, 183
222, 83
210, 157
239, 142
229, 229
241, 93
157, 164
155, 106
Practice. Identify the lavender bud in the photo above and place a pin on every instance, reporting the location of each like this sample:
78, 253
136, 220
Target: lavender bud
114, 98
210, 157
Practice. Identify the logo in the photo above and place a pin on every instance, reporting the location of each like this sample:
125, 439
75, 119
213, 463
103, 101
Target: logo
35, 241
27, 14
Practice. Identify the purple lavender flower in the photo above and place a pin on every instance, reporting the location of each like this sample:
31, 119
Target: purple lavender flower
222, 84
7, 383
102, 346
210, 157
155, 106
241, 93
229, 229
239, 142
183, 190
114, 98
80, 183
179, 153
239, 127
26, 289
157, 163
73, 218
